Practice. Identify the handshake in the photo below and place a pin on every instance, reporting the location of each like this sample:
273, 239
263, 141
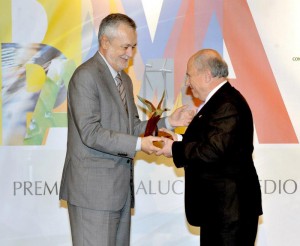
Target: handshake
161, 144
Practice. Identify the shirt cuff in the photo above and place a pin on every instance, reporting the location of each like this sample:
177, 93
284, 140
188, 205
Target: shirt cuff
179, 137
138, 146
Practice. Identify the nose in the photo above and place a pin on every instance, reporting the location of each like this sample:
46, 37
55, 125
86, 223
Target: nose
129, 51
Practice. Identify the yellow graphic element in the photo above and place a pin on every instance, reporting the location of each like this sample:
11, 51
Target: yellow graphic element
64, 27
113, 6
135, 81
178, 103
152, 11
35, 77
5, 21
135, 64
28, 118
64, 33
5, 37
45, 136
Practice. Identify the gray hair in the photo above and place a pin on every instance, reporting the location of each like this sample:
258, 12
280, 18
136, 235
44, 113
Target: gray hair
212, 60
109, 24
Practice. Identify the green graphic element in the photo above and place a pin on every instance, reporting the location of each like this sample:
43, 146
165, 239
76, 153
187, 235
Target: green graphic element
43, 116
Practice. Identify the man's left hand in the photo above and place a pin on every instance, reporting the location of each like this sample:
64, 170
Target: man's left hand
181, 116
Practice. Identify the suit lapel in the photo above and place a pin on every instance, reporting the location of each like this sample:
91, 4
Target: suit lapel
215, 98
207, 106
111, 84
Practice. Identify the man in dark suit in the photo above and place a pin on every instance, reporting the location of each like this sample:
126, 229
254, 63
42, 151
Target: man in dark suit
222, 190
103, 130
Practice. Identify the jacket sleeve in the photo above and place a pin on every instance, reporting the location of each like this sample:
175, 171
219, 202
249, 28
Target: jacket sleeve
215, 135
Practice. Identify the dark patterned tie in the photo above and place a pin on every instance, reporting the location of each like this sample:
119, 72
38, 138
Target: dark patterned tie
121, 90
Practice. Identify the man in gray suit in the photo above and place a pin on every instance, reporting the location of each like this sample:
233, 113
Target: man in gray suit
103, 130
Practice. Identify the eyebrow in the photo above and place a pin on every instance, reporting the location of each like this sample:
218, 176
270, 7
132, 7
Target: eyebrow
127, 45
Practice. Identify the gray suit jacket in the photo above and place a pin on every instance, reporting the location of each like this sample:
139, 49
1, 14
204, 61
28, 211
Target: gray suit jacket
101, 138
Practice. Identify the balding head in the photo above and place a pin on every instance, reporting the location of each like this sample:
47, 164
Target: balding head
210, 59
205, 70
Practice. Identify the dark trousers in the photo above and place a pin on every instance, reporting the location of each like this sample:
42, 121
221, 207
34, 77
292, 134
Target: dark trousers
239, 233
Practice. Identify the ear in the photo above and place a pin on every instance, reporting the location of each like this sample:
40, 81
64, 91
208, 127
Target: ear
104, 42
208, 75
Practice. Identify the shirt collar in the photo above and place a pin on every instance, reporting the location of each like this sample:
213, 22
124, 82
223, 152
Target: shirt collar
212, 92
112, 71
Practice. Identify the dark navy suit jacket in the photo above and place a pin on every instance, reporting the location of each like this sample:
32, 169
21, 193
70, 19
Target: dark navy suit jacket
221, 183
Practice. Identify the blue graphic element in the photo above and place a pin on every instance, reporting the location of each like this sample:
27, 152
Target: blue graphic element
165, 26
214, 38
89, 49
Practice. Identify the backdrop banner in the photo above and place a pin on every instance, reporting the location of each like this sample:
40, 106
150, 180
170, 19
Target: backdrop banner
42, 43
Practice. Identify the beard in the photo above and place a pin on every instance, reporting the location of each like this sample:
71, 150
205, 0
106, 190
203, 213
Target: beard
117, 62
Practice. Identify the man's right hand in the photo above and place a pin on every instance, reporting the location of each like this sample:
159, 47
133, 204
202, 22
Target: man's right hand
166, 150
148, 146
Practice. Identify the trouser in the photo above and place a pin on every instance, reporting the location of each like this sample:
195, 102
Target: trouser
238, 233
100, 228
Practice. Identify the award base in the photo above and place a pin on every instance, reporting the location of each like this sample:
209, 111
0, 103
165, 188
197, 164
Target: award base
160, 144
